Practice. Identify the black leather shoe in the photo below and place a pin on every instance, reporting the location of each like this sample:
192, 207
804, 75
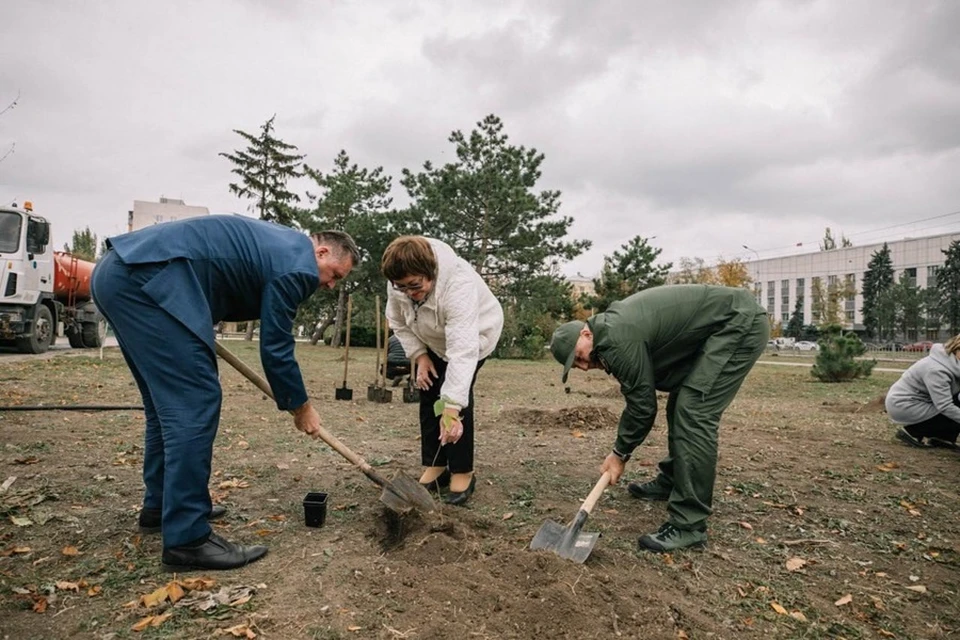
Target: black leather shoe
442, 482
214, 554
904, 437
149, 520
459, 498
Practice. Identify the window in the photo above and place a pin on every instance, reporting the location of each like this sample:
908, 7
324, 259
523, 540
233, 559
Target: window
932, 276
850, 316
785, 295
850, 286
911, 274
816, 299
771, 296
10, 225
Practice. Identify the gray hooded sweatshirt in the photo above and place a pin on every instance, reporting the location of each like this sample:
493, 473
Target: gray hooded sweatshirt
926, 389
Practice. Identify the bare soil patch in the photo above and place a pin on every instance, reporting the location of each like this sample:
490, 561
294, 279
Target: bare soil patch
824, 525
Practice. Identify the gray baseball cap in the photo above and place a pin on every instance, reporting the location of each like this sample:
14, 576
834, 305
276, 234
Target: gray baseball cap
563, 343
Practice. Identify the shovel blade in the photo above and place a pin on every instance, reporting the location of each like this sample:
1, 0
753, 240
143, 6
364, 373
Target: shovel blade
561, 540
402, 493
344, 393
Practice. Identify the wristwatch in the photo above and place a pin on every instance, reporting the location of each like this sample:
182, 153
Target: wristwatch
623, 456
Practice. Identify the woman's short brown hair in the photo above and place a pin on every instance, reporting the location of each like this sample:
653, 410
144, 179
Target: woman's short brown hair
409, 256
952, 345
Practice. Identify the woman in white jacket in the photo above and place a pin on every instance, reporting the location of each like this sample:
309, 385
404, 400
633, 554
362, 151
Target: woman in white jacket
924, 399
449, 322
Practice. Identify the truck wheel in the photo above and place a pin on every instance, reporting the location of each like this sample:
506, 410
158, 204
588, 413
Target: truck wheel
93, 333
42, 334
75, 337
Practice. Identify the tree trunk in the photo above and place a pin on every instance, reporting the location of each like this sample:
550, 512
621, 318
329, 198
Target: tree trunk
320, 329
249, 335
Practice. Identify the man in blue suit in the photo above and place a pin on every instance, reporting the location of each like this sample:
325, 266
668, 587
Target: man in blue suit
163, 289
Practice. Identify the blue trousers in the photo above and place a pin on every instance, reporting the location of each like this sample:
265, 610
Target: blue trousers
176, 371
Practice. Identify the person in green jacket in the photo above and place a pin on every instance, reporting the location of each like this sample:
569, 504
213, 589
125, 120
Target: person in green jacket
696, 342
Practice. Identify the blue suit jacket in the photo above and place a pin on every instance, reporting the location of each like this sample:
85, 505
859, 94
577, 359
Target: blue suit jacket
226, 267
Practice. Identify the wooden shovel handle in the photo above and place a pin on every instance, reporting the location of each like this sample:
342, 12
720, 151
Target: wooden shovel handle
598, 490
325, 435
346, 353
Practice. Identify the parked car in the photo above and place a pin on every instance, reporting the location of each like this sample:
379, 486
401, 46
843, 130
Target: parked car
806, 345
918, 346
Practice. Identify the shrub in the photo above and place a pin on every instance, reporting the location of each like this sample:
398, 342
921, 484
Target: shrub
836, 358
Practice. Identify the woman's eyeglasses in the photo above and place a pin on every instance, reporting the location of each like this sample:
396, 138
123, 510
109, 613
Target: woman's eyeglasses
404, 288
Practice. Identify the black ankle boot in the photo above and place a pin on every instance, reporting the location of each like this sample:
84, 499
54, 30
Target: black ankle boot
459, 498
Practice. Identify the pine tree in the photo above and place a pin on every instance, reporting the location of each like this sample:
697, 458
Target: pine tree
265, 167
795, 325
948, 285
877, 280
627, 271
836, 358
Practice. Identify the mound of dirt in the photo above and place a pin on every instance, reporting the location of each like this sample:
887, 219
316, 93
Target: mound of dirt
582, 417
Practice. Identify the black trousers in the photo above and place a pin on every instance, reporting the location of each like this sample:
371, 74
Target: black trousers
939, 426
458, 457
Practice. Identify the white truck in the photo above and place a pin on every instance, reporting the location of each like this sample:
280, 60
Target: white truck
43, 293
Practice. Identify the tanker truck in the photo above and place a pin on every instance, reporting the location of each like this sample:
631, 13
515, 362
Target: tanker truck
43, 293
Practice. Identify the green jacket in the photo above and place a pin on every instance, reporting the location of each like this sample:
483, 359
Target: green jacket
664, 338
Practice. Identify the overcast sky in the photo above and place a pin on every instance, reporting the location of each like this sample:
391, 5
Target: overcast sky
710, 125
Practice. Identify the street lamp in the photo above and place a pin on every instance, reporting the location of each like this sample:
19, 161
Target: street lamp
759, 288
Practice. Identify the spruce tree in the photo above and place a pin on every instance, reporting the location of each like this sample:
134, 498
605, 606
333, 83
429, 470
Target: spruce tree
795, 325
265, 167
948, 284
877, 280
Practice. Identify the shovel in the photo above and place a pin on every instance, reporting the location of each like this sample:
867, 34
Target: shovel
567, 542
400, 494
376, 392
344, 392
410, 392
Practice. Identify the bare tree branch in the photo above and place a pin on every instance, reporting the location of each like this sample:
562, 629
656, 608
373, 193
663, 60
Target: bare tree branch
9, 151
11, 105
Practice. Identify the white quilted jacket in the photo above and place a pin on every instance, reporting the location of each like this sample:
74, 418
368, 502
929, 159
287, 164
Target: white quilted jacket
460, 321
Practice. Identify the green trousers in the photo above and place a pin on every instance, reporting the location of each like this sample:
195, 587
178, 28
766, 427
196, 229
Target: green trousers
693, 419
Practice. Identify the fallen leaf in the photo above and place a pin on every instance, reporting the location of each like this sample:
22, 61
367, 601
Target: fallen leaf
20, 521
778, 608
21, 550
243, 444
919, 588
887, 466
70, 551
847, 599
159, 620
39, 604
174, 591
277, 518
63, 585
26, 460
886, 634
235, 483
6, 483
282, 466
761, 541
795, 564
155, 598
796, 615
94, 591
508, 515
576, 433
143, 623
747, 526
354, 628
914, 513
197, 584
238, 631
682, 635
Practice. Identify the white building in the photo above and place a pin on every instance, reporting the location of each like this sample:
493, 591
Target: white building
779, 281
145, 214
